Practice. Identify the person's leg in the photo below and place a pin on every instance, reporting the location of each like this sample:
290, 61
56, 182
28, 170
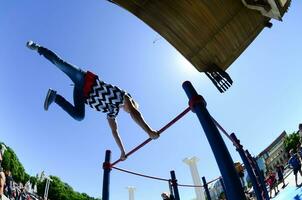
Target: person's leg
274, 189
78, 110
74, 73
300, 172
9, 192
138, 118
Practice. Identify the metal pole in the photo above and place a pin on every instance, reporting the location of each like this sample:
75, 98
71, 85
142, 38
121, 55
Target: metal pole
106, 177
170, 188
46, 189
205, 186
174, 185
47, 183
248, 167
223, 188
223, 158
258, 174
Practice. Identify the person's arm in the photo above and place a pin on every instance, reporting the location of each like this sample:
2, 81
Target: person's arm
130, 107
113, 125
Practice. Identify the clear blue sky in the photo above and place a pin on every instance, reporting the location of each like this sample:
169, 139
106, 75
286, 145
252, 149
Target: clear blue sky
96, 35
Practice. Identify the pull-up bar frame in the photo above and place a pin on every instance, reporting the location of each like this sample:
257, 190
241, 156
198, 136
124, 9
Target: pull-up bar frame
223, 158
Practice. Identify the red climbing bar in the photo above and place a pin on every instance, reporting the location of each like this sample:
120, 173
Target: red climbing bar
160, 131
174, 120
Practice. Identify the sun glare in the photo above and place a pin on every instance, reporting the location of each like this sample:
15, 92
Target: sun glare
185, 66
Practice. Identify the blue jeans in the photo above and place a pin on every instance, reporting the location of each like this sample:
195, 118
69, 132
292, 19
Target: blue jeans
77, 111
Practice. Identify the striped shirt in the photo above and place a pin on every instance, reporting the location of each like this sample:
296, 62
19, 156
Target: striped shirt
103, 97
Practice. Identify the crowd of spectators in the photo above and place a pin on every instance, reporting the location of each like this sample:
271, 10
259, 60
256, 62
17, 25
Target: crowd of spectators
16, 191
276, 177
10, 190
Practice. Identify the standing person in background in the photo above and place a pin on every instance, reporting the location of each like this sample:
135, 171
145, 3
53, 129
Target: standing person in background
1, 157
300, 130
166, 196
280, 170
271, 180
2, 182
295, 164
2, 150
9, 184
240, 172
299, 151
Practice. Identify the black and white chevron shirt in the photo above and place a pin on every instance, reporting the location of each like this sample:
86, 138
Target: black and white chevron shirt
106, 98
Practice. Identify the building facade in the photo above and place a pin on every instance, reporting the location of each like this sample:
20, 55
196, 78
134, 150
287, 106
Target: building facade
273, 155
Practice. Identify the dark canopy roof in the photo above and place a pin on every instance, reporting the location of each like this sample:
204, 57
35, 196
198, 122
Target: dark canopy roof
206, 32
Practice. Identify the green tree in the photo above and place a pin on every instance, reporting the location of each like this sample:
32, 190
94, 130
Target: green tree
292, 141
12, 163
60, 190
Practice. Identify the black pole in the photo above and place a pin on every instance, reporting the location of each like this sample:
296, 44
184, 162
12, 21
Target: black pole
174, 185
171, 189
258, 174
106, 177
223, 158
248, 167
205, 186
223, 188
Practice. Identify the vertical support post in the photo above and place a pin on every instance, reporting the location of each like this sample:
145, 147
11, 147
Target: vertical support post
174, 185
106, 177
258, 174
170, 188
205, 186
47, 183
46, 188
131, 191
192, 163
223, 158
248, 167
223, 188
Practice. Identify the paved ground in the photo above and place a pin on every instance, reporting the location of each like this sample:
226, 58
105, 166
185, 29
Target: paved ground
290, 192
